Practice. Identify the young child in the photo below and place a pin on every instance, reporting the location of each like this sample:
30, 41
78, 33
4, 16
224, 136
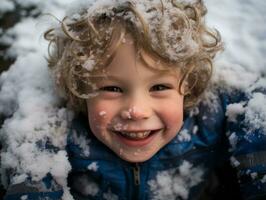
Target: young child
134, 72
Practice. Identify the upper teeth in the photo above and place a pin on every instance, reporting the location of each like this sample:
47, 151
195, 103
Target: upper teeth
136, 134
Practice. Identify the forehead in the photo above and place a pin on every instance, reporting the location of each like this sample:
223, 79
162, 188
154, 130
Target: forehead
129, 58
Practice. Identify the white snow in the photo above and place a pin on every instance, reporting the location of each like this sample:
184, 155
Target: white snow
254, 175
234, 161
6, 5
255, 113
195, 129
233, 110
93, 166
24, 197
86, 186
171, 184
110, 196
102, 113
242, 25
184, 136
233, 140
263, 180
82, 142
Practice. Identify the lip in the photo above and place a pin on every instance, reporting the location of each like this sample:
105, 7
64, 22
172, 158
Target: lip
137, 142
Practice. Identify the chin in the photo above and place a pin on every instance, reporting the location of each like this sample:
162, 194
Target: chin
135, 158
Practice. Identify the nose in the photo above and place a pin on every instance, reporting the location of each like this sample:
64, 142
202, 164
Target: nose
137, 109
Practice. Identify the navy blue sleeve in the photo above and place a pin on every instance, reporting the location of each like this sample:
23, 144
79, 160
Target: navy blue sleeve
248, 145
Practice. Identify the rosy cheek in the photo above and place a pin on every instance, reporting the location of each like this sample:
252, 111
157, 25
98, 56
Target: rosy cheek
173, 117
97, 114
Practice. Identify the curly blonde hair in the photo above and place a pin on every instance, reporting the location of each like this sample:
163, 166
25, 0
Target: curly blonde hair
173, 31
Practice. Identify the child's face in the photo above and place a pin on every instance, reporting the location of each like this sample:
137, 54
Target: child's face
137, 110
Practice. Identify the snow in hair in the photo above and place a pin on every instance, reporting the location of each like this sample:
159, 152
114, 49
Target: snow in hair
172, 30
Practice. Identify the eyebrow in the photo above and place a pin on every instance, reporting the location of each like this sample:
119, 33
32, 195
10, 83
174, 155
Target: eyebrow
119, 79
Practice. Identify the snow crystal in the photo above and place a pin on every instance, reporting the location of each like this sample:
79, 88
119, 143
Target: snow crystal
232, 76
6, 5
86, 186
204, 117
119, 126
110, 196
194, 111
234, 161
233, 110
89, 64
254, 175
195, 129
233, 140
102, 113
93, 166
171, 184
255, 113
20, 178
184, 136
24, 197
259, 84
82, 142
263, 180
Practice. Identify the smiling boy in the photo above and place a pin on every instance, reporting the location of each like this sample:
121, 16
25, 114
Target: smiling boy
135, 72
142, 109
130, 77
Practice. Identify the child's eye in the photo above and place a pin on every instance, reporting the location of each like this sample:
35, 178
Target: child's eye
159, 87
111, 89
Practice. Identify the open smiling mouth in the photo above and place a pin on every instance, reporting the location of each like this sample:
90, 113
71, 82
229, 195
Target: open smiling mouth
137, 139
138, 135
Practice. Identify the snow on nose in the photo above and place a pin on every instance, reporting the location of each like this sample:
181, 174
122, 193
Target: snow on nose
134, 113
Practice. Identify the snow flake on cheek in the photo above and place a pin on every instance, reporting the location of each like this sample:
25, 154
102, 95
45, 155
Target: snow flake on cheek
102, 113
119, 126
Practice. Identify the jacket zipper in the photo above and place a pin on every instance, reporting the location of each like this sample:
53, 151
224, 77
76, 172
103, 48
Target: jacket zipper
136, 176
136, 172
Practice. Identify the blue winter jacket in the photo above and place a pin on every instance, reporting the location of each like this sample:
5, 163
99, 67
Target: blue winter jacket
178, 171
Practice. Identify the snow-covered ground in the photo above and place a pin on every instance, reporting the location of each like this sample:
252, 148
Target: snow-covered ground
33, 110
